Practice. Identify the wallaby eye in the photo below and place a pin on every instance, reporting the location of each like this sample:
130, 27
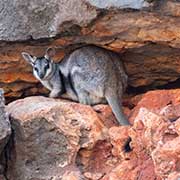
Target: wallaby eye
47, 66
35, 68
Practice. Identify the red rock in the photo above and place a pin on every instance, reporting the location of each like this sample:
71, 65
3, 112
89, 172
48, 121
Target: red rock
93, 176
48, 135
157, 100
177, 126
72, 175
148, 130
94, 152
166, 157
133, 169
155, 134
174, 176
118, 138
126, 32
98, 161
106, 115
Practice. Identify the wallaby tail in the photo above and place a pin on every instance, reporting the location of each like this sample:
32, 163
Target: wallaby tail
116, 106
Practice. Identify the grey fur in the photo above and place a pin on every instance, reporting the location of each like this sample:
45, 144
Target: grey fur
89, 75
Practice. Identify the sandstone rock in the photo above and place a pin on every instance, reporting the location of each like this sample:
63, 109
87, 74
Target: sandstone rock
40, 19
131, 170
174, 175
118, 137
144, 38
45, 19
97, 162
72, 175
60, 139
5, 127
154, 132
162, 102
166, 157
106, 115
48, 134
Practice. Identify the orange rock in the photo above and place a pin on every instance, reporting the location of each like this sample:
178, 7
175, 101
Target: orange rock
166, 158
48, 135
15, 76
174, 176
105, 113
156, 101
95, 152
118, 137
72, 175
132, 170
154, 132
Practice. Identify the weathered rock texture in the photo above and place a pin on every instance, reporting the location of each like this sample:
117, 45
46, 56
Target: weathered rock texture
5, 131
48, 135
60, 139
148, 38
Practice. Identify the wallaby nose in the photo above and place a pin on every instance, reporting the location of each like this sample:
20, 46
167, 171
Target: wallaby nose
41, 75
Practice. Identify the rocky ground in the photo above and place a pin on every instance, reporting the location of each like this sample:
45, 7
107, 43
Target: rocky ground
57, 139
54, 139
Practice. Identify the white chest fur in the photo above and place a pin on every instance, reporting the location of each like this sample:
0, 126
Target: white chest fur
47, 84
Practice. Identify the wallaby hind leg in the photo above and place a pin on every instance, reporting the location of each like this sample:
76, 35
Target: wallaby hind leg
116, 106
83, 96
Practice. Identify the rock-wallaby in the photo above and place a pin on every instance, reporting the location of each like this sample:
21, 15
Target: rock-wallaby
89, 75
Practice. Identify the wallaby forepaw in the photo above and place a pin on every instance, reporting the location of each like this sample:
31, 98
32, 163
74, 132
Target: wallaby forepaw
53, 95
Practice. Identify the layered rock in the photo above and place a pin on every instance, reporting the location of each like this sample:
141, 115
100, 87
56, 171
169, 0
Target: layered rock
46, 19
147, 39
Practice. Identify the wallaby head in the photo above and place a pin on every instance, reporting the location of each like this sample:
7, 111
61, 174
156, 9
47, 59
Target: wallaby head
42, 66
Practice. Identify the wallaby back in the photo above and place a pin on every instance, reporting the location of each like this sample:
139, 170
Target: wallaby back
97, 76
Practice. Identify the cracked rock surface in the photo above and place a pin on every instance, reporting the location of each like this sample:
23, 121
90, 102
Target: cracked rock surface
64, 140
148, 39
48, 134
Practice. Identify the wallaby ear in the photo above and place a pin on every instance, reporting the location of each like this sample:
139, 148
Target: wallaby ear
30, 59
50, 52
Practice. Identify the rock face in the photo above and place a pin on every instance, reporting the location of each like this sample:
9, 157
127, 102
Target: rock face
48, 135
5, 128
144, 38
42, 19
56, 139
63, 140
5, 131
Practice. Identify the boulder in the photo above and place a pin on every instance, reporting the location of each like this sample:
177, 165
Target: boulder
156, 131
48, 135
58, 139
154, 136
5, 132
5, 127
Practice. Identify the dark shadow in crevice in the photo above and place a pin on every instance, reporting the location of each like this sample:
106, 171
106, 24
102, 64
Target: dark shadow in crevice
143, 89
